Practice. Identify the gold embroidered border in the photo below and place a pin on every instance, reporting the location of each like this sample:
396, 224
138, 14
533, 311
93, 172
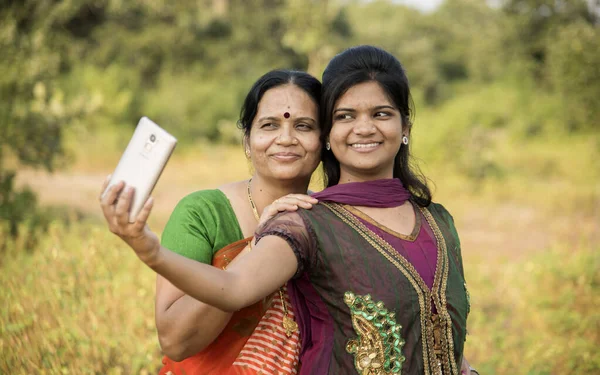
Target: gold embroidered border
442, 308
403, 265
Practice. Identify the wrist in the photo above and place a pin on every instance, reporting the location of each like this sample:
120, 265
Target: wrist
153, 257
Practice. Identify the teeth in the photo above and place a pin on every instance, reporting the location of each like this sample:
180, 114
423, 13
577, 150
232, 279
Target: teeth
364, 145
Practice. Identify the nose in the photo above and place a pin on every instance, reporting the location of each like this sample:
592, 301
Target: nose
286, 137
364, 126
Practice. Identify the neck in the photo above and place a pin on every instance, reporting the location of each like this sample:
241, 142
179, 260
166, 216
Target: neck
347, 176
264, 191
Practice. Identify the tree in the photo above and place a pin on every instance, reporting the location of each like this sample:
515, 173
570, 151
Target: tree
538, 21
573, 70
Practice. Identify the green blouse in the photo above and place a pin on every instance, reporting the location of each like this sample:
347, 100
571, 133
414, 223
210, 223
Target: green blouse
202, 223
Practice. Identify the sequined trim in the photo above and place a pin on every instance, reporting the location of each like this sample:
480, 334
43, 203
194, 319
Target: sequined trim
447, 341
378, 348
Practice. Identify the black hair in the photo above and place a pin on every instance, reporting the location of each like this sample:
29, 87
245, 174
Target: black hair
270, 80
363, 64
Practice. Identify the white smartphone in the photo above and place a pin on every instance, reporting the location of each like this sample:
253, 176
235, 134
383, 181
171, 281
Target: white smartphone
143, 161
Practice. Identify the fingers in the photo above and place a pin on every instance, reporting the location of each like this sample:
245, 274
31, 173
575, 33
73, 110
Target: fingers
290, 202
273, 209
299, 200
123, 205
111, 195
302, 197
104, 185
107, 202
142, 217
281, 206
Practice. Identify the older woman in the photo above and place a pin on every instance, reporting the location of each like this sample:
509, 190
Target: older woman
281, 129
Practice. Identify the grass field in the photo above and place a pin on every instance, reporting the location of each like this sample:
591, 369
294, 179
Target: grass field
81, 303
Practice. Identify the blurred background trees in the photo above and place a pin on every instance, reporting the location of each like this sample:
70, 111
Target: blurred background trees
94, 66
106, 62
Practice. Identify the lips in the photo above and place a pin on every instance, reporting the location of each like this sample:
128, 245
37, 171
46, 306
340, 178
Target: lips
286, 156
365, 145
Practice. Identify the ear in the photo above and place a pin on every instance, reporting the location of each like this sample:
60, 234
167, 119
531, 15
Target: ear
406, 126
246, 145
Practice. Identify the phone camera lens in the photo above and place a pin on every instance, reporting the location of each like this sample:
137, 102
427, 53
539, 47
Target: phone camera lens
152, 138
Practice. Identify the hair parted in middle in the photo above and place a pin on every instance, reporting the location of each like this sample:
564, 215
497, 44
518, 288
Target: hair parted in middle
271, 80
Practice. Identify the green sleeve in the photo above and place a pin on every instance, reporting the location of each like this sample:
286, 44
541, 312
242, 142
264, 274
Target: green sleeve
201, 224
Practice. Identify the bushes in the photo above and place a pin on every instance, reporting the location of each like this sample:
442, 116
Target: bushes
20, 218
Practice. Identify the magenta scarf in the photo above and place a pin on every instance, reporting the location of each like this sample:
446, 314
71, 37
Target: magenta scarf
378, 193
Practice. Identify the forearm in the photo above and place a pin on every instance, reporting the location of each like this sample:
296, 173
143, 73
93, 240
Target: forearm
205, 283
188, 326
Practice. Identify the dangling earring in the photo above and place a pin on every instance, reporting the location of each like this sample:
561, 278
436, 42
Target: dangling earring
247, 153
405, 140
327, 146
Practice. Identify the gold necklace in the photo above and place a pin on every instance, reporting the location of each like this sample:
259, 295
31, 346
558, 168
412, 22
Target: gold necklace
288, 323
254, 210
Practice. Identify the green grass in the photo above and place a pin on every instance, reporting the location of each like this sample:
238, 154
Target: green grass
537, 315
83, 304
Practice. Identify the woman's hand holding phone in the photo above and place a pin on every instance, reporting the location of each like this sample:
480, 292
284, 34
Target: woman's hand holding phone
116, 204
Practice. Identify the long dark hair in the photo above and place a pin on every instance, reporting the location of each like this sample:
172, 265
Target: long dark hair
270, 80
363, 64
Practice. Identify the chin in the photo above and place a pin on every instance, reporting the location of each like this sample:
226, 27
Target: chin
372, 169
290, 176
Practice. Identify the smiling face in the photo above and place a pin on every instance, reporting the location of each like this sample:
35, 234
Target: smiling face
284, 141
366, 133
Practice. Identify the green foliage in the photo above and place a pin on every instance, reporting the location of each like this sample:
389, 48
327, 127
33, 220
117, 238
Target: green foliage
32, 109
573, 70
15, 206
104, 63
536, 22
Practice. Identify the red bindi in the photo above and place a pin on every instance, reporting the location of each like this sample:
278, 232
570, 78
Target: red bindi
286, 115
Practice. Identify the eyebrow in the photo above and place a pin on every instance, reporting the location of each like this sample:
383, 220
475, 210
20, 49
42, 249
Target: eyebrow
374, 108
271, 118
310, 119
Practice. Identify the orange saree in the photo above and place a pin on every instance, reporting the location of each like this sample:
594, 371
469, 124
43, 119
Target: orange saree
253, 342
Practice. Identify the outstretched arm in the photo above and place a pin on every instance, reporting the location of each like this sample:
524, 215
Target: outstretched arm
255, 276
245, 282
